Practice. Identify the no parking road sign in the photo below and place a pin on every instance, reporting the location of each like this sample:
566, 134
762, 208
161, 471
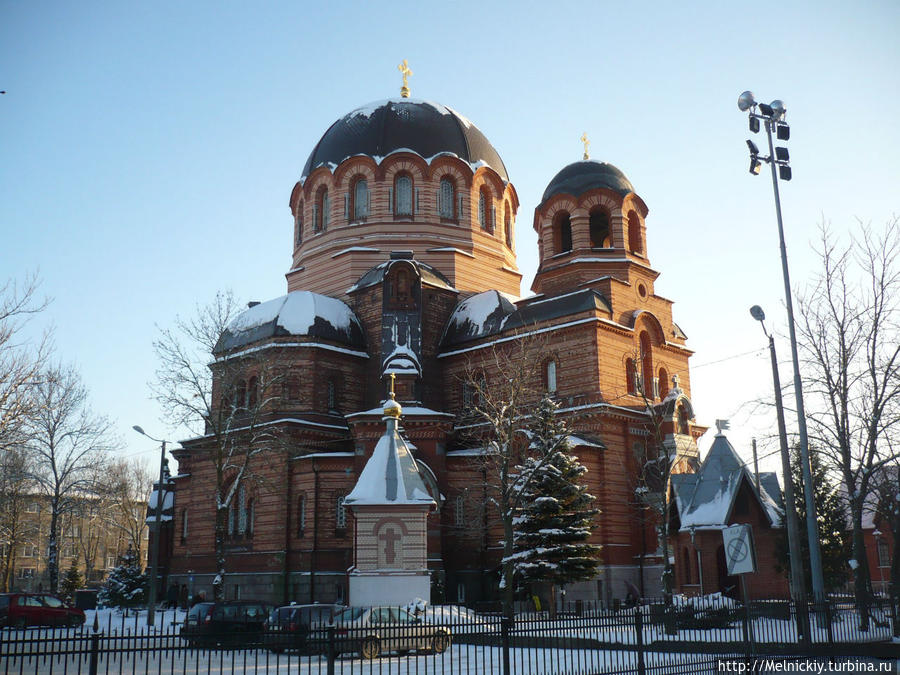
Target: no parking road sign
740, 554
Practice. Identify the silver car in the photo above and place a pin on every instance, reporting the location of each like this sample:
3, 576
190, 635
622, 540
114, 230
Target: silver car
376, 630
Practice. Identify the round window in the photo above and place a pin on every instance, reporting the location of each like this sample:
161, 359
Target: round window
642, 290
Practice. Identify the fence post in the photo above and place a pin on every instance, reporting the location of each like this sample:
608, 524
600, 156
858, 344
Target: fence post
95, 647
504, 639
639, 632
830, 630
331, 651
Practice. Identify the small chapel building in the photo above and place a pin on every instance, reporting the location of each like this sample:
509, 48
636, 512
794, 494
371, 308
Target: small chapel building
403, 249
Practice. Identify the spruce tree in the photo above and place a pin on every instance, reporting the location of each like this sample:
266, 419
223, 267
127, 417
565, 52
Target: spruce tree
831, 514
71, 582
126, 585
557, 517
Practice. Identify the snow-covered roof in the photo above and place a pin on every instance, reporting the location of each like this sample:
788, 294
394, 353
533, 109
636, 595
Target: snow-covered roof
491, 312
408, 411
297, 313
391, 476
706, 499
427, 274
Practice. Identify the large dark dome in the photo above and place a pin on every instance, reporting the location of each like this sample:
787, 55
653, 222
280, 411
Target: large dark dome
579, 177
383, 127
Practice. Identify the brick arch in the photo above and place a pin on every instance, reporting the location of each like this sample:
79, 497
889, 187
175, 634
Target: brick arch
453, 166
647, 320
296, 196
400, 162
602, 198
321, 176
484, 175
632, 201
354, 166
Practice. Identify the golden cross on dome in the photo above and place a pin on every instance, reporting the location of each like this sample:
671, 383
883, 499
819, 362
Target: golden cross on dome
584, 139
404, 69
393, 377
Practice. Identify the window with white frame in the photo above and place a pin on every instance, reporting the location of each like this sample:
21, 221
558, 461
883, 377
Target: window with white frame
447, 199
551, 376
340, 521
360, 199
403, 196
460, 511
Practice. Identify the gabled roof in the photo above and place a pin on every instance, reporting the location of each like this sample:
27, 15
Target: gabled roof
492, 312
706, 499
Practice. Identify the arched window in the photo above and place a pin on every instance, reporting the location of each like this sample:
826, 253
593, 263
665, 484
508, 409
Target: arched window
240, 395
459, 512
663, 383
252, 393
550, 376
646, 362
447, 198
332, 395
484, 210
682, 420
599, 228
301, 514
630, 377
403, 195
507, 225
360, 194
562, 232
249, 516
634, 233
340, 516
321, 210
241, 511
298, 224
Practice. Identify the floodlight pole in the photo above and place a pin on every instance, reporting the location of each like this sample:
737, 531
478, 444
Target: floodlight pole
157, 521
812, 530
770, 115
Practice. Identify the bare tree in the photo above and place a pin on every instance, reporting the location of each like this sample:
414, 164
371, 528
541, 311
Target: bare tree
502, 393
67, 443
16, 491
20, 360
125, 487
850, 337
224, 397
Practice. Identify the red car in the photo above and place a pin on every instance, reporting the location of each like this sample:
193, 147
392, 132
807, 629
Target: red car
18, 610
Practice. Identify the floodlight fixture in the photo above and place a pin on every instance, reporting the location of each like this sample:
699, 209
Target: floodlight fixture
778, 109
754, 124
755, 165
754, 151
746, 101
766, 110
782, 154
784, 172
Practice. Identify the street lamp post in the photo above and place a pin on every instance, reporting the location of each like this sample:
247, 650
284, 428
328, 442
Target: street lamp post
773, 117
157, 521
798, 585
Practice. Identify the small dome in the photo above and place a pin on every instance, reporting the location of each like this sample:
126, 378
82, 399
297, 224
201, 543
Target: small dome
579, 177
297, 313
425, 128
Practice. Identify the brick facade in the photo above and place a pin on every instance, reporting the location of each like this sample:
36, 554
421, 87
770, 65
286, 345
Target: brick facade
298, 544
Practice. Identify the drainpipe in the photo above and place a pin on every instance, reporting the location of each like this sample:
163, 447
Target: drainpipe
286, 569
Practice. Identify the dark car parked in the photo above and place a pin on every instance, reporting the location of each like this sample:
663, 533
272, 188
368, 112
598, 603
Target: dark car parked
301, 627
230, 623
18, 610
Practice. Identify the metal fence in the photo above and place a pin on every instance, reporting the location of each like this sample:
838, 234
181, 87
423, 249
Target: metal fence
651, 638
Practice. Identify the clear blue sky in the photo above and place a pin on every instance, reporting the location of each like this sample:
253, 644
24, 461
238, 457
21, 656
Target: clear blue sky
148, 150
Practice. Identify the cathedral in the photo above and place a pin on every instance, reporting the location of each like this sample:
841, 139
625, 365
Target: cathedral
404, 278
